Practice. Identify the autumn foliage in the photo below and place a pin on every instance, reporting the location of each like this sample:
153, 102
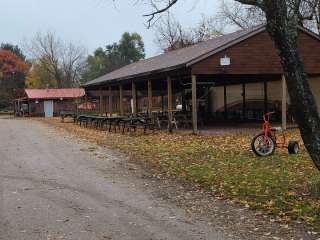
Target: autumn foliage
10, 63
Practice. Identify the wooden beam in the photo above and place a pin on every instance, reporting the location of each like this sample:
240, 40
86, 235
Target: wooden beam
149, 97
243, 101
110, 101
284, 103
101, 102
225, 102
194, 105
121, 100
162, 102
134, 97
169, 88
265, 89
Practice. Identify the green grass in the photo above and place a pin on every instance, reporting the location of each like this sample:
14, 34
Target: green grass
6, 112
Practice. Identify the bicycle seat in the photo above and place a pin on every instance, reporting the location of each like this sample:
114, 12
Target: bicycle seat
278, 129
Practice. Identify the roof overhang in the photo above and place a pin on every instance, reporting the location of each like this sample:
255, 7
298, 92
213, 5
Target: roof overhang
145, 74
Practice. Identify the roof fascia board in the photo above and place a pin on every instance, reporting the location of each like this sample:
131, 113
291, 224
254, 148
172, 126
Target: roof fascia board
222, 48
307, 31
136, 76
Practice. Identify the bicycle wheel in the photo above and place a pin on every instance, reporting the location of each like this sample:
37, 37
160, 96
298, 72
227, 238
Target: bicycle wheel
263, 145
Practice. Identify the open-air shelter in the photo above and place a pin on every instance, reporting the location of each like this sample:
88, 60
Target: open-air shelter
234, 77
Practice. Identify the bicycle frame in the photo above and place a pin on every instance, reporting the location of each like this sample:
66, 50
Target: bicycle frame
268, 130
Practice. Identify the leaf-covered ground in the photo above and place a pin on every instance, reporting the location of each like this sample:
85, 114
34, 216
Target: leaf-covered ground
287, 186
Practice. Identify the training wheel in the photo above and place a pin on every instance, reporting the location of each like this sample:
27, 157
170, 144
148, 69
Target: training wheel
293, 147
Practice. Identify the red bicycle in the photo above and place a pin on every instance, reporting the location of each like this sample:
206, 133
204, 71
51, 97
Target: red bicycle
265, 143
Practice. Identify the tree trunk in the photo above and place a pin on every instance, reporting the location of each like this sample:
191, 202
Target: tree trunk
284, 32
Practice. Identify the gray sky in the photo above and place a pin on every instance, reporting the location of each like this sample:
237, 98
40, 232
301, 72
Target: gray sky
91, 23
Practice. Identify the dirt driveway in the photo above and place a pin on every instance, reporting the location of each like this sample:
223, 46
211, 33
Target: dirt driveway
54, 187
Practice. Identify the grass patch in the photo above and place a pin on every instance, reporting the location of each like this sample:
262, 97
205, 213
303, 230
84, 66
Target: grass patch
6, 112
284, 185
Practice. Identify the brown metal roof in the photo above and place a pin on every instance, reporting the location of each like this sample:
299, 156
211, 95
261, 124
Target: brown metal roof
177, 59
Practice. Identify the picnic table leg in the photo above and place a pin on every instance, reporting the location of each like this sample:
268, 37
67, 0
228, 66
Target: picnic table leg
110, 126
123, 128
158, 122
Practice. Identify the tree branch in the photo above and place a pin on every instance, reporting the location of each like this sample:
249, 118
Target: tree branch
158, 11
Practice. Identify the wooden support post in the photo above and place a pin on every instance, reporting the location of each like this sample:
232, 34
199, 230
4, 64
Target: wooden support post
184, 104
134, 98
121, 100
29, 108
162, 100
149, 97
194, 105
225, 102
169, 88
284, 103
265, 89
110, 101
244, 101
101, 102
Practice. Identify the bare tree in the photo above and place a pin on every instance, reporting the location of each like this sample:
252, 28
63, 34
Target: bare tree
311, 9
170, 35
283, 18
63, 61
73, 63
246, 16
240, 15
207, 28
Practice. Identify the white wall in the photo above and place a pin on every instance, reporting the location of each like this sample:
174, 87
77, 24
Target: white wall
255, 91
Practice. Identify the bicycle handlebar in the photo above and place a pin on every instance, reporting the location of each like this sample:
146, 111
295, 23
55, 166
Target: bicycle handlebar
266, 116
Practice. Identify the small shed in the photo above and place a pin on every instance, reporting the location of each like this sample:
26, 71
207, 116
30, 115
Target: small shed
48, 102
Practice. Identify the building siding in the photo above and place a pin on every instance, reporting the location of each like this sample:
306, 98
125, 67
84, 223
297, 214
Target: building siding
257, 55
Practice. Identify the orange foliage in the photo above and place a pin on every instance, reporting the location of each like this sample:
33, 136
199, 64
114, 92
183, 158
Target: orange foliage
10, 63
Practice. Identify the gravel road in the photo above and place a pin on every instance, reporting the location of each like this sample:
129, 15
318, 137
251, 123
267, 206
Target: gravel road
56, 187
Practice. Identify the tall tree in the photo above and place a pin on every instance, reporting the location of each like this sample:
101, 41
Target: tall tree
12, 72
63, 61
39, 77
14, 49
129, 49
96, 65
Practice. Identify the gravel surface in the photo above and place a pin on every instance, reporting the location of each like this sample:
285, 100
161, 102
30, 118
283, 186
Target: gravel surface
54, 187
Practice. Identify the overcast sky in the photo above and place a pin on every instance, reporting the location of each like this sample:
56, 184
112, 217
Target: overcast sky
91, 23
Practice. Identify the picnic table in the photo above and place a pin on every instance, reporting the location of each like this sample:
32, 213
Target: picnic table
65, 114
118, 122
